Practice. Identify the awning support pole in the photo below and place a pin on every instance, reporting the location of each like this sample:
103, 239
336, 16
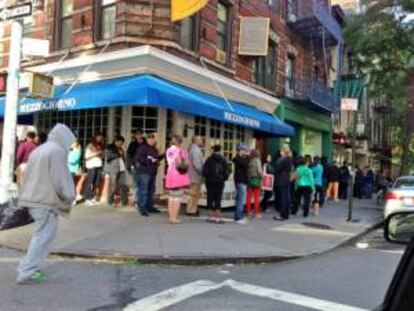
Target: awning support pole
218, 87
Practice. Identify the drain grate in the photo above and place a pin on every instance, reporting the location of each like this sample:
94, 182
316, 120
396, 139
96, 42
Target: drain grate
316, 226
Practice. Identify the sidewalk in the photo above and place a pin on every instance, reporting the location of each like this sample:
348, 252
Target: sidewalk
123, 234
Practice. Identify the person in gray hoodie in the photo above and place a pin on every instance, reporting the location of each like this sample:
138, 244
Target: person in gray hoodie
48, 192
196, 159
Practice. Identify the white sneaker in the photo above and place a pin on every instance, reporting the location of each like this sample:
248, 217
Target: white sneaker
241, 222
90, 203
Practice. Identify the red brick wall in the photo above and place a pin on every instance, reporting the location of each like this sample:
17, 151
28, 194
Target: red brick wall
136, 19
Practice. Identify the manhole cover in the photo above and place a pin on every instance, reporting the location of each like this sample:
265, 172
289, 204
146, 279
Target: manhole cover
316, 226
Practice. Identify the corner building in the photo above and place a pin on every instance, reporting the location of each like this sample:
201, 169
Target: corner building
120, 65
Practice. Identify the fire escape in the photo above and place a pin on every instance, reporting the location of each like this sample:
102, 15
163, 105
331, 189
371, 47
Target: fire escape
313, 21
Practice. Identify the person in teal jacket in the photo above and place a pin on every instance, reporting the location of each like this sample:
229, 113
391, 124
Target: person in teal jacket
74, 159
305, 185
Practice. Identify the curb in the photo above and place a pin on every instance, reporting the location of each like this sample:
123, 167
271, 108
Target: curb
202, 261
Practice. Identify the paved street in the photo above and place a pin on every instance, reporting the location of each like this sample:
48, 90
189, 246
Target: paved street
108, 232
352, 278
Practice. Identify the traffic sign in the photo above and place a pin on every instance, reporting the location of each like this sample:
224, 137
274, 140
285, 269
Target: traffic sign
17, 11
349, 104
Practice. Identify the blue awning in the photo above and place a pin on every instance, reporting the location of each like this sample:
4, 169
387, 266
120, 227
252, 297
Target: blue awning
149, 90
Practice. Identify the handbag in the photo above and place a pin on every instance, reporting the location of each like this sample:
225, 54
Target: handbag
255, 182
268, 182
182, 165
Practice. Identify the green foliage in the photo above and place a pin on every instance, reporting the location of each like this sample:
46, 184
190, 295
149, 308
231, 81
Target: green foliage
382, 43
133, 262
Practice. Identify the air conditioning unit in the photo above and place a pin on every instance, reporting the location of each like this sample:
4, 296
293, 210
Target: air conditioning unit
221, 56
293, 18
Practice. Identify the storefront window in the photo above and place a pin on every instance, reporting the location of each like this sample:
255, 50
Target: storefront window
240, 134
84, 123
200, 126
225, 134
228, 141
118, 121
215, 132
145, 118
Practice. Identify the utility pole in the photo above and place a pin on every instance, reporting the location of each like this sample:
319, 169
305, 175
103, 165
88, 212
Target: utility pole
353, 171
7, 192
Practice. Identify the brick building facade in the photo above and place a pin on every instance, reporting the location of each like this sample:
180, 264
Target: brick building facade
110, 39
143, 22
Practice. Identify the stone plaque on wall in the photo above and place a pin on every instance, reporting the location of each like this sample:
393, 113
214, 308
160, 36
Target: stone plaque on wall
254, 36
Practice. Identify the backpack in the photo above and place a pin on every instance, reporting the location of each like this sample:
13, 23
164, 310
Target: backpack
215, 170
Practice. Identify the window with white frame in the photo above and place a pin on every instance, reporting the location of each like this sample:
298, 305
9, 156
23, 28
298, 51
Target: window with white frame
145, 118
117, 121
215, 133
200, 126
224, 134
108, 19
290, 76
84, 123
65, 20
189, 32
228, 141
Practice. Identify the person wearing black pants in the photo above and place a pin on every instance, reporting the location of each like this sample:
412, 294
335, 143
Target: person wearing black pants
216, 172
214, 196
306, 193
305, 185
283, 169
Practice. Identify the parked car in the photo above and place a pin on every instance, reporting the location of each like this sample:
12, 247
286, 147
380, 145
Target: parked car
399, 228
400, 196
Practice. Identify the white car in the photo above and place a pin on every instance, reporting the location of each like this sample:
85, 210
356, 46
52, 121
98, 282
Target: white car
400, 196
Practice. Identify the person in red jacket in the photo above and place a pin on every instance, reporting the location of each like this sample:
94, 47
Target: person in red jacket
26, 148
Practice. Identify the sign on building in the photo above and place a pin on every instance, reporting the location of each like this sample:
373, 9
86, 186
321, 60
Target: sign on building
35, 47
349, 104
17, 11
254, 36
41, 85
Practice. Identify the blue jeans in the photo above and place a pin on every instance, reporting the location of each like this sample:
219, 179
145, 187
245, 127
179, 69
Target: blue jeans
241, 190
134, 185
146, 191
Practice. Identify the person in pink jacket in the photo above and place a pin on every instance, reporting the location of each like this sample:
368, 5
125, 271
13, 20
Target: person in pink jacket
177, 178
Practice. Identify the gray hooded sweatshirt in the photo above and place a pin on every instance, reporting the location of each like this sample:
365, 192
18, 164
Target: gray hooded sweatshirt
47, 182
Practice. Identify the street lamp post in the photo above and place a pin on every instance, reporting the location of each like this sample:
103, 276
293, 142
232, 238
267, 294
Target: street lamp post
10, 115
353, 164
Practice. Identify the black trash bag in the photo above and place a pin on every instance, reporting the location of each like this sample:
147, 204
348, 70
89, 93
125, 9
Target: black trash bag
15, 217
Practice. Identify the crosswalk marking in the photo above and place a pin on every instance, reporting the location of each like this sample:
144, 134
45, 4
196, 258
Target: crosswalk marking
177, 294
173, 296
